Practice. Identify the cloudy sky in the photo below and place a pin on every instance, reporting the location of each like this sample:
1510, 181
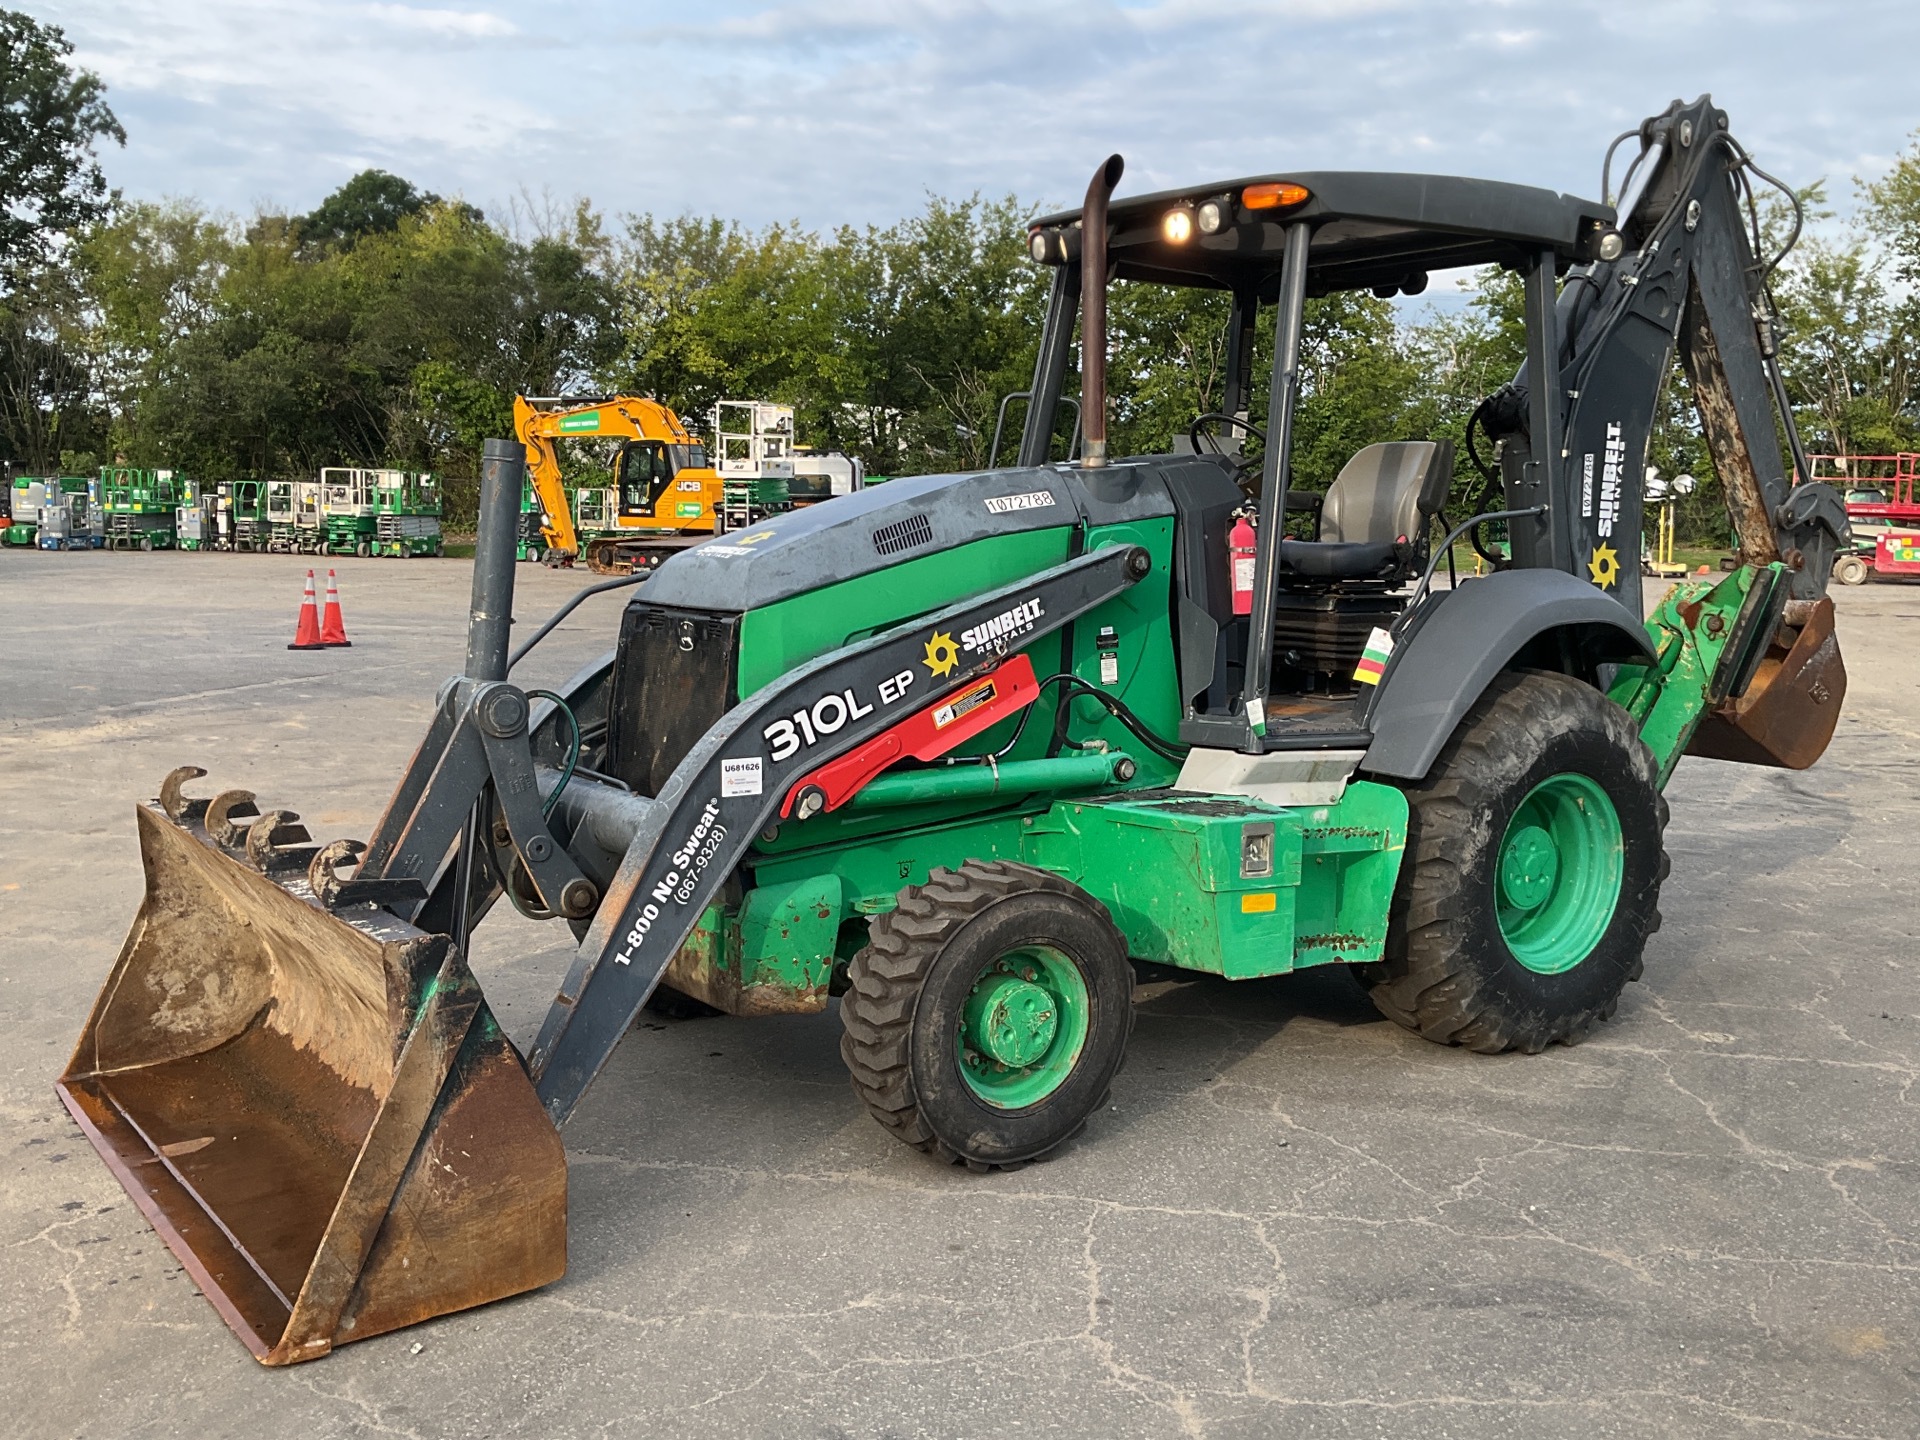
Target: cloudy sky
850, 110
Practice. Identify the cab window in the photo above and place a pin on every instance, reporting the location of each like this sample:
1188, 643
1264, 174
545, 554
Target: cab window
645, 471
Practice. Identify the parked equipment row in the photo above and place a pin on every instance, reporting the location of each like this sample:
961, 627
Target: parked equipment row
347, 511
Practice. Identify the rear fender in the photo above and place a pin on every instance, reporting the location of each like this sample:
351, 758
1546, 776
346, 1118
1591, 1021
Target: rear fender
1542, 619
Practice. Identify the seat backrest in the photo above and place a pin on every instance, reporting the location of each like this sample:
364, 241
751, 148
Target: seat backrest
1387, 491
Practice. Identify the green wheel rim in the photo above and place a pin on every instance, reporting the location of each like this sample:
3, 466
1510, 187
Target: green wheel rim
1559, 872
1023, 1027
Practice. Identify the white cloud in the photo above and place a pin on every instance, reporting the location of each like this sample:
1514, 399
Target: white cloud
850, 110
475, 24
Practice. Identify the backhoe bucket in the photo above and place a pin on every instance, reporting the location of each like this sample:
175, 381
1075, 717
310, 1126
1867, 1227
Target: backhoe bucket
313, 1106
1790, 707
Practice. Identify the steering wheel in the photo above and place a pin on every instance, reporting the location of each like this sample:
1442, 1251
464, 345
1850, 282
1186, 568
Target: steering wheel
1243, 470
1214, 417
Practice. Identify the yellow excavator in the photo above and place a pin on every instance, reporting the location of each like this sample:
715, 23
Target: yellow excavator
665, 494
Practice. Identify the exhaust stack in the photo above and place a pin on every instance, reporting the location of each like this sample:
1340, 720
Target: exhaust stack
1093, 310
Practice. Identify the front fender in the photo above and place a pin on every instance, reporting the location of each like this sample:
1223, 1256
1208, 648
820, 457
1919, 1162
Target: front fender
1542, 618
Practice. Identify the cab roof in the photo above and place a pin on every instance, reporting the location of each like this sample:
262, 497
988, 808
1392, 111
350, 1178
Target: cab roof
1371, 230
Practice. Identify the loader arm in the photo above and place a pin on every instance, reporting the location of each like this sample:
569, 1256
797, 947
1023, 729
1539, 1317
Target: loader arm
731, 785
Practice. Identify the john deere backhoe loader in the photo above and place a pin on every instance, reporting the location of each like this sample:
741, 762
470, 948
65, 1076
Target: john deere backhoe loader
667, 495
964, 749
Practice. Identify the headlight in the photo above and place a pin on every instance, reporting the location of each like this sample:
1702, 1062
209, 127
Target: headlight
1211, 217
1612, 246
1037, 246
1178, 226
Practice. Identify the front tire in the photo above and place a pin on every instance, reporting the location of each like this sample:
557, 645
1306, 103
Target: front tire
1534, 858
988, 1014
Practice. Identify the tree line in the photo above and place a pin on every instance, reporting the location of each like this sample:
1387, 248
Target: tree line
392, 326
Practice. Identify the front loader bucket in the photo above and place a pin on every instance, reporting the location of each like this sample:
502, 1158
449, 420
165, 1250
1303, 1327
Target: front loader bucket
1790, 707
314, 1107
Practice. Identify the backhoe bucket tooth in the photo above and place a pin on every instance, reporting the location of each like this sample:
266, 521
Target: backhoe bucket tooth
315, 1108
1791, 706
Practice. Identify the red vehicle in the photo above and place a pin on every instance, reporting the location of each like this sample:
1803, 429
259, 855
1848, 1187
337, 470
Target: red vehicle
1879, 493
1895, 553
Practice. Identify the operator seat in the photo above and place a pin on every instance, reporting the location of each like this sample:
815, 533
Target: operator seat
1373, 521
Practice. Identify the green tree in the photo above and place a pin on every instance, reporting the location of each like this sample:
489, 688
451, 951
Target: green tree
1166, 363
51, 114
1849, 326
230, 352
934, 319
371, 203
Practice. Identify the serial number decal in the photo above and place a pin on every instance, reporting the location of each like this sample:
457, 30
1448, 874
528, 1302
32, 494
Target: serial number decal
740, 777
690, 858
1029, 500
712, 549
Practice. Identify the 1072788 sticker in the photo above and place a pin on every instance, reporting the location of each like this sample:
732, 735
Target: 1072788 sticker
1027, 500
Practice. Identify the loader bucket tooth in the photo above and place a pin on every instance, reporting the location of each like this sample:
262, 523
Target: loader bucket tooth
1791, 706
322, 878
224, 809
267, 834
178, 806
316, 1110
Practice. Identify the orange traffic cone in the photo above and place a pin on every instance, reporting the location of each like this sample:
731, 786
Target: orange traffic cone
306, 635
333, 628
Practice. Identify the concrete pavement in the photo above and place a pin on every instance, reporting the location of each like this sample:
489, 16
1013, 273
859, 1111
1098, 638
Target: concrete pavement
1296, 1219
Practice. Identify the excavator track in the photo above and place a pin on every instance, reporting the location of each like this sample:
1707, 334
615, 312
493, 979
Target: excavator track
623, 555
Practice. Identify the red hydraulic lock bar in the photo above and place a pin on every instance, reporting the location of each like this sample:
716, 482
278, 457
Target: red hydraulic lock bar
925, 735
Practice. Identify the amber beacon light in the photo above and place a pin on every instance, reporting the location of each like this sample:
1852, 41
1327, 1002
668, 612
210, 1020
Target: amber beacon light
1274, 195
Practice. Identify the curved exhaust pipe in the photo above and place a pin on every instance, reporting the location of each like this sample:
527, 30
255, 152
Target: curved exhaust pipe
1093, 311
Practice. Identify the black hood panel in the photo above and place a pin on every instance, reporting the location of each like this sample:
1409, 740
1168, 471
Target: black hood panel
878, 528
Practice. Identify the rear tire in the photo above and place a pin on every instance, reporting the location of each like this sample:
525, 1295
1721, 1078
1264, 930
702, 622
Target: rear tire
1532, 876
1851, 570
988, 1014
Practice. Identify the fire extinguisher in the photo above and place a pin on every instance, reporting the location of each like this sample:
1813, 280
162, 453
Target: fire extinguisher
1240, 547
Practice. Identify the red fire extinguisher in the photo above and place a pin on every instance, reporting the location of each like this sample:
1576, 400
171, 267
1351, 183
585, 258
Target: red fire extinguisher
1240, 545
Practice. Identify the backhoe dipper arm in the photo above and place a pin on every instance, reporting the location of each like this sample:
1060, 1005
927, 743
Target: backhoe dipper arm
535, 429
1684, 273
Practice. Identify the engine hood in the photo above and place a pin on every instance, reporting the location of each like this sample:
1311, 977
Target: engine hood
875, 529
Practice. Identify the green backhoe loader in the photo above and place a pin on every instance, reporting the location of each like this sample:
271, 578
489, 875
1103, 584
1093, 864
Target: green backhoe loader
965, 750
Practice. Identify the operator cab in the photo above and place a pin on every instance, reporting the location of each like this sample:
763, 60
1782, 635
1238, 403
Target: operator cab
1354, 556
645, 468
643, 474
